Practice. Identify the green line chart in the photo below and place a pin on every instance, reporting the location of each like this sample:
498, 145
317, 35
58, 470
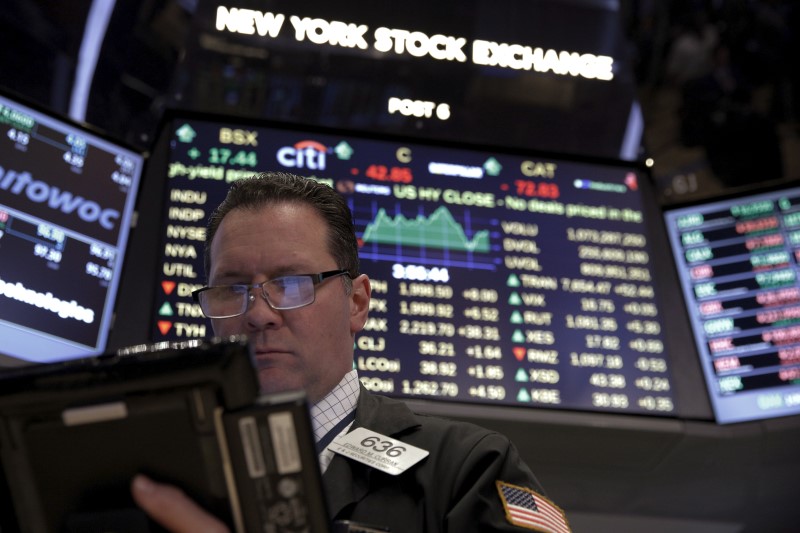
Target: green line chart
439, 230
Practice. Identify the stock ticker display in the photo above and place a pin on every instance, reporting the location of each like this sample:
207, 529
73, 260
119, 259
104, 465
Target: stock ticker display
738, 264
497, 278
66, 199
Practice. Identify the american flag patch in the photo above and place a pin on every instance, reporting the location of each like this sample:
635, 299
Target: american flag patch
526, 508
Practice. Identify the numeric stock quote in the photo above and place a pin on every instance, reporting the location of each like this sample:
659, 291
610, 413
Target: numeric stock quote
737, 260
497, 277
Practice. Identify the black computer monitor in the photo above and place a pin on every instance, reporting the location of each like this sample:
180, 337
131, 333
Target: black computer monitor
66, 204
499, 277
737, 258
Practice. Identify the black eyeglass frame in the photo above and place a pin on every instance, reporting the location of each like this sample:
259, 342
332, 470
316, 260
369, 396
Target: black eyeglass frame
316, 279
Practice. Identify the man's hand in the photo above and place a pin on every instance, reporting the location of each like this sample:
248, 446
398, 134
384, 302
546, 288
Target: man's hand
171, 508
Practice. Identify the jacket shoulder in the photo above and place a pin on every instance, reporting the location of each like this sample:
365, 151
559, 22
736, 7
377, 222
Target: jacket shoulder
398, 420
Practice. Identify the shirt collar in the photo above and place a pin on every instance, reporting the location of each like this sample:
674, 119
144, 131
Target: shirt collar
336, 405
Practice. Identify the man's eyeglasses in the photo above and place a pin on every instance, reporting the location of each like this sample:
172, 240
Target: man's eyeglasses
285, 292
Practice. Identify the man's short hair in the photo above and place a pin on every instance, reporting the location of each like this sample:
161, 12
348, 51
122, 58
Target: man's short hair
272, 188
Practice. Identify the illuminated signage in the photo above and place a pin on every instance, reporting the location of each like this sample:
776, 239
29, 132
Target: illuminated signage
417, 44
304, 154
43, 193
496, 277
66, 205
737, 262
418, 108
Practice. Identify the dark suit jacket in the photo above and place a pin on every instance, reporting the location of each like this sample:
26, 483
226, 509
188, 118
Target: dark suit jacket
452, 490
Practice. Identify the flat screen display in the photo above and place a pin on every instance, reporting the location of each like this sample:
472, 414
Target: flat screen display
66, 201
737, 260
498, 278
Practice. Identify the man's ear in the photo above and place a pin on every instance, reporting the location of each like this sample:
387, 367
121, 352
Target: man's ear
359, 303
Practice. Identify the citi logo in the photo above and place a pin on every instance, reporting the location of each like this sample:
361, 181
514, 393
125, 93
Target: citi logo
304, 154
64, 201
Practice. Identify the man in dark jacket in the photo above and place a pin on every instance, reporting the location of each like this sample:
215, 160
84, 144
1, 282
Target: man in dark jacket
282, 267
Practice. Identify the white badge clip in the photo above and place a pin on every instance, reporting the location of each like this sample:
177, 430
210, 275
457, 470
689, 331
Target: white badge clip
378, 451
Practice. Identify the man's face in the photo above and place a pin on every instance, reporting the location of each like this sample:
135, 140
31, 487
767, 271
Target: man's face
308, 348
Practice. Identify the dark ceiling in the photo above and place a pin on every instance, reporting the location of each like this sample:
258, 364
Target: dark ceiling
719, 84
717, 81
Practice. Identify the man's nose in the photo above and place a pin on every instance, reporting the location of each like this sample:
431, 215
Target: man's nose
259, 312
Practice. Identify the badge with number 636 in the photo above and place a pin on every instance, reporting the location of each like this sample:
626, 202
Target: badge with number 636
378, 451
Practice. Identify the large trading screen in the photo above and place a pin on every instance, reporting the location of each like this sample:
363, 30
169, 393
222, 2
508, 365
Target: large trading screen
66, 200
738, 264
497, 277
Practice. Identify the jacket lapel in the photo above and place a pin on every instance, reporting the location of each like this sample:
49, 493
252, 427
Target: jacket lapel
346, 481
